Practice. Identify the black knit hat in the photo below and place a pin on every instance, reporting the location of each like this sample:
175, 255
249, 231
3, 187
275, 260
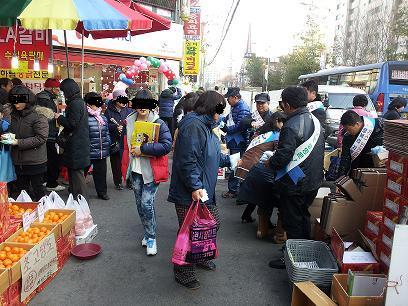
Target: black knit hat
144, 100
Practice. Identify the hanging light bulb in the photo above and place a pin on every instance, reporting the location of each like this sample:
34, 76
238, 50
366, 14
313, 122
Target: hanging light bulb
14, 61
50, 66
36, 64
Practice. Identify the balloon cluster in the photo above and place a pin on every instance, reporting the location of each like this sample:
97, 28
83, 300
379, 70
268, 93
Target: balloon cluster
143, 64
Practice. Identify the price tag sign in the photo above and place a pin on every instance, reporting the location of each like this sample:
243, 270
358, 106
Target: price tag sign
40, 211
28, 219
38, 264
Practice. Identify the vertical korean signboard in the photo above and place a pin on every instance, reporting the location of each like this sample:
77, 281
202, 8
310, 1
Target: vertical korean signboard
29, 45
192, 43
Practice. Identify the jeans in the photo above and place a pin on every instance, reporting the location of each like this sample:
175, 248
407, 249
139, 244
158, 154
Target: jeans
233, 182
144, 196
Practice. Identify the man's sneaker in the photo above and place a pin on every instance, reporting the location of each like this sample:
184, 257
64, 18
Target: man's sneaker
277, 263
56, 188
151, 247
119, 187
144, 242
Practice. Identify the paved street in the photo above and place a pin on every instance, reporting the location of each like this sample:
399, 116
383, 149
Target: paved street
124, 275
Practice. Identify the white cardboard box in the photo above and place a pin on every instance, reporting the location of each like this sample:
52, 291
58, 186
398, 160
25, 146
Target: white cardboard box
88, 236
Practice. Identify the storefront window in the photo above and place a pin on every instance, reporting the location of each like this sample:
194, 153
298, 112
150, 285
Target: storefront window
102, 78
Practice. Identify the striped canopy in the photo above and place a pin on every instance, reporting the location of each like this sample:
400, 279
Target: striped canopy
101, 18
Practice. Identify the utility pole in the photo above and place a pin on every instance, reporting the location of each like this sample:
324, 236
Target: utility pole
267, 73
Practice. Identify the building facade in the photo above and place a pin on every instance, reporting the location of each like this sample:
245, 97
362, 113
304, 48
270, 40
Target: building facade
365, 31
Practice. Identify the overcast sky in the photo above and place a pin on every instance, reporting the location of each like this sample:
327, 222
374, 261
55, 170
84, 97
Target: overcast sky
274, 23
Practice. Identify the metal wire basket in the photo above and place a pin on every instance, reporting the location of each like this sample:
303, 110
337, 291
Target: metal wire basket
309, 260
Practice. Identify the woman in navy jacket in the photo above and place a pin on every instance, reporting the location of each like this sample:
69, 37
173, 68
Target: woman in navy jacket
100, 142
197, 157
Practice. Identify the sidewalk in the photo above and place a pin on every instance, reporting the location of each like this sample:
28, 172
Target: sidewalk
124, 275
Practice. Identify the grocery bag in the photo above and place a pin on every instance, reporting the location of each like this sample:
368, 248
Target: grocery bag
23, 197
47, 203
196, 240
55, 201
87, 217
80, 221
7, 173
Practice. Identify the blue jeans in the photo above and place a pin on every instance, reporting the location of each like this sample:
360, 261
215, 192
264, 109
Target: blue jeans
233, 182
144, 195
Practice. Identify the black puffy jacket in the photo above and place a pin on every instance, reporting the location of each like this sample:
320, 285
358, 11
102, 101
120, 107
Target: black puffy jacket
297, 129
99, 138
364, 160
75, 123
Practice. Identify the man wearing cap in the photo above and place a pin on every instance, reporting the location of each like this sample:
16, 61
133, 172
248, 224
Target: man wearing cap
236, 133
47, 99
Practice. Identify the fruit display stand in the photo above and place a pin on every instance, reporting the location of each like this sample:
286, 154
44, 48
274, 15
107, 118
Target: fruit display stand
16, 244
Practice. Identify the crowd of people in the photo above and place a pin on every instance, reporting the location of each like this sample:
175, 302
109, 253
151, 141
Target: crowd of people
281, 152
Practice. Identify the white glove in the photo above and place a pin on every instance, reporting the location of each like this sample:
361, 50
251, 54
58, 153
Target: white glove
266, 156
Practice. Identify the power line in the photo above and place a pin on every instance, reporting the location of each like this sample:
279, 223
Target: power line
226, 19
225, 34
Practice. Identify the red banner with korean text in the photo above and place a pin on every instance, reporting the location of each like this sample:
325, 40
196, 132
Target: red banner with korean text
29, 45
192, 25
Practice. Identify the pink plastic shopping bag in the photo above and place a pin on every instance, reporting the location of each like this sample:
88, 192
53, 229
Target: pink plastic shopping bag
196, 240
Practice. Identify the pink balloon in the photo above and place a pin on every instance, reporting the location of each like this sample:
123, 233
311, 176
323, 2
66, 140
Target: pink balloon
163, 67
137, 62
143, 59
143, 66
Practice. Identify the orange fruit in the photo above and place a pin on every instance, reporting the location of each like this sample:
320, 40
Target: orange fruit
3, 256
43, 229
7, 249
7, 262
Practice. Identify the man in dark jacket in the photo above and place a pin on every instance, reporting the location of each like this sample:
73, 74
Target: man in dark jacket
47, 98
5, 86
166, 106
258, 118
236, 133
315, 104
297, 165
395, 108
76, 132
116, 114
356, 147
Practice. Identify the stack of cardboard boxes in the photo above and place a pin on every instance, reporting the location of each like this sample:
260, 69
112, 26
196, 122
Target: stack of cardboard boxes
346, 210
395, 209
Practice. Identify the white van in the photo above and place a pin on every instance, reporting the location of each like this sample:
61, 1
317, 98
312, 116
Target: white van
337, 100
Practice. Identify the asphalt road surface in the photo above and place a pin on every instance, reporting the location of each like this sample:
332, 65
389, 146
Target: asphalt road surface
123, 275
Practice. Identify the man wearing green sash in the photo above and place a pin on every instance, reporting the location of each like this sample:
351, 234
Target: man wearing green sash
297, 165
